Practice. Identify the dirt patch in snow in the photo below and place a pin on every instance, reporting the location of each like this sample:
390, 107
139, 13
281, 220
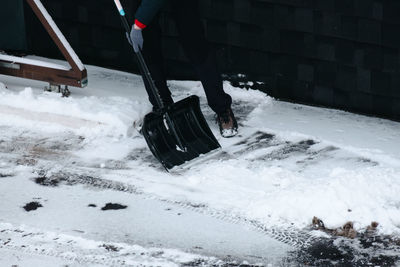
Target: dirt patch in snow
347, 247
43, 180
111, 248
339, 251
346, 231
32, 206
26, 161
113, 206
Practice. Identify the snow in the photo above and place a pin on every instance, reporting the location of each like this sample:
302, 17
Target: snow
68, 249
117, 122
73, 227
289, 163
20, 60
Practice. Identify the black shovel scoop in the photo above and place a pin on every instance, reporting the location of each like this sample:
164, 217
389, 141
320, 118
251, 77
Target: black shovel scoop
176, 133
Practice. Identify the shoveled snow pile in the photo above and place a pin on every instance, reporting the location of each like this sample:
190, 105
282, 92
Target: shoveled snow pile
318, 162
87, 115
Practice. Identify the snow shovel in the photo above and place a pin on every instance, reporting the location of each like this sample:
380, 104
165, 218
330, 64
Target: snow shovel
176, 133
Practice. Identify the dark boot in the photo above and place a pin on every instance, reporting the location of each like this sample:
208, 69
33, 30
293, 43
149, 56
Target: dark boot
228, 125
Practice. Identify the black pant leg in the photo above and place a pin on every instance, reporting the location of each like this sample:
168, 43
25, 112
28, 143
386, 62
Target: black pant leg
199, 52
152, 53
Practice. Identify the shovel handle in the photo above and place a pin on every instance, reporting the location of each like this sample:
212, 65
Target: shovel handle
123, 17
142, 64
119, 7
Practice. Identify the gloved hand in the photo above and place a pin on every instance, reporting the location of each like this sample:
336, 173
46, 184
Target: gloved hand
135, 38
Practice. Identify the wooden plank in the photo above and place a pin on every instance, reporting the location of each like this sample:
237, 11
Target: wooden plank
44, 71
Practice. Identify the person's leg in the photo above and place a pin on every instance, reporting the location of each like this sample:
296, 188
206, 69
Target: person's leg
152, 53
199, 52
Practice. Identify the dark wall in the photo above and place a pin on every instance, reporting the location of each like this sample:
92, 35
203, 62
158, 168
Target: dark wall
12, 25
335, 53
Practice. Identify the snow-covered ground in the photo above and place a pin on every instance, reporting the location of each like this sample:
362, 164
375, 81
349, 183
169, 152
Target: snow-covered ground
289, 163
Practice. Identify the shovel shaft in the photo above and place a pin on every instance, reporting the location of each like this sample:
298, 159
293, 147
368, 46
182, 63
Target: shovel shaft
142, 64
147, 76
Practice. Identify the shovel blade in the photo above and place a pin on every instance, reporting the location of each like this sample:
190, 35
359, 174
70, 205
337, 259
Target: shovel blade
187, 127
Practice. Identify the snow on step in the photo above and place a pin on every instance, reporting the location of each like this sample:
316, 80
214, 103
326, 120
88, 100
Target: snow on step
20, 60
